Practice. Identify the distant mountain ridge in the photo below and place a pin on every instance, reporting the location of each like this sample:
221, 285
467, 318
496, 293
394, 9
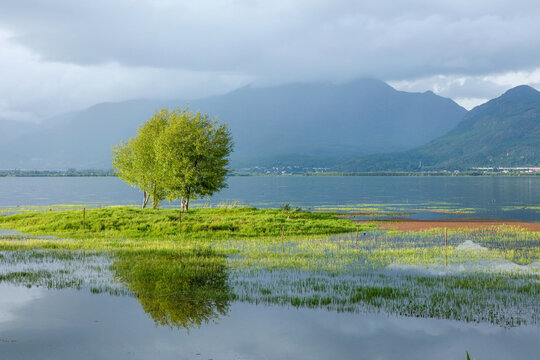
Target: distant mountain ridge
504, 132
328, 120
320, 122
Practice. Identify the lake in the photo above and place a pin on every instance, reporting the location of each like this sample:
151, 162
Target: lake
84, 305
500, 197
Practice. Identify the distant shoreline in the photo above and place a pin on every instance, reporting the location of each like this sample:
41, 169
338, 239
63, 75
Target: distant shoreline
109, 173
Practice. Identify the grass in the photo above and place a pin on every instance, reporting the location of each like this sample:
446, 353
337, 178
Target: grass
204, 223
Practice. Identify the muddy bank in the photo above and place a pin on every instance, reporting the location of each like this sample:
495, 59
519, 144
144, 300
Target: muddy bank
418, 225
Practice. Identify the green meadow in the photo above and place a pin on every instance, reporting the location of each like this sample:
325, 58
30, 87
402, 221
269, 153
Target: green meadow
203, 223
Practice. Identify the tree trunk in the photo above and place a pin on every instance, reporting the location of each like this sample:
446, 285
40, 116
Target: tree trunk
146, 197
154, 199
185, 204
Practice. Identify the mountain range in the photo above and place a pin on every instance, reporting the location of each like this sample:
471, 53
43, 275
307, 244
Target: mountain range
317, 123
364, 125
504, 132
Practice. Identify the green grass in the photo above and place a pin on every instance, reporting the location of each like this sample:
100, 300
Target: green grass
204, 223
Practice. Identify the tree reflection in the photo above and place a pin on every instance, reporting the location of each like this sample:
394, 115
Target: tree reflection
177, 289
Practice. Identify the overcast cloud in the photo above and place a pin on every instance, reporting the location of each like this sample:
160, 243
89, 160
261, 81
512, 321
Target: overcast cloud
61, 55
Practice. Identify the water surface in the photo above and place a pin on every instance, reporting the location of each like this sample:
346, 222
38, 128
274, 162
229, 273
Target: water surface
67, 324
491, 197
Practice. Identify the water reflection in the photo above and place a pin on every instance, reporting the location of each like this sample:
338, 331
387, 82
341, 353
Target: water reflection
183, 289
69, 324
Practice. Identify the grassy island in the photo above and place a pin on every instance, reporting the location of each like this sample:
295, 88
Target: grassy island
201, 223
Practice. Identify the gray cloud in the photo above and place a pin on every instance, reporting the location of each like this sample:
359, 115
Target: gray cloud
270, 42
470, 90
390, 39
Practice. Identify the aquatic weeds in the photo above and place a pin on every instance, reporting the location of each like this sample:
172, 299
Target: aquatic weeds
59, 270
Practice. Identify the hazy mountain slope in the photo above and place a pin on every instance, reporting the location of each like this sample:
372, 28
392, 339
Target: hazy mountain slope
80, 139
315, 121
502, 132
326, 120
10, 130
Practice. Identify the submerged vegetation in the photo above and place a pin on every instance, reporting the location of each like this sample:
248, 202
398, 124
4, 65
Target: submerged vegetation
396, 209
238, 254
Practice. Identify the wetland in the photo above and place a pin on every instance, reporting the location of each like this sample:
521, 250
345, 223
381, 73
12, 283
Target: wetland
305, 280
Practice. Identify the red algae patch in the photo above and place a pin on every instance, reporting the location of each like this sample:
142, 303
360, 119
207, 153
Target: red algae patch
419, 225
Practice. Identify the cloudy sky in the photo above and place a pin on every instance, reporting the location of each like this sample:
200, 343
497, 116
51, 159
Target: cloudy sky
62, 55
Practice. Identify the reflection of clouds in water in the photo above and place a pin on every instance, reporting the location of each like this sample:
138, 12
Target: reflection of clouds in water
489, 263
372, 324
13, 298
275, 332
495, 266
75, 321
405, 326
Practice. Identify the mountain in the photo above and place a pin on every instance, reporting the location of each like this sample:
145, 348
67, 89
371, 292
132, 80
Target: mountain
10, 129
322, 121
80, 139
315, 123
504, 132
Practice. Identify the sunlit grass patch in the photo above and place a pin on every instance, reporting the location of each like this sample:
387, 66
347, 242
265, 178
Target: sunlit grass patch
207, 223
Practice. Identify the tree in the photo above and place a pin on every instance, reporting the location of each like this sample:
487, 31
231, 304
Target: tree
176, 154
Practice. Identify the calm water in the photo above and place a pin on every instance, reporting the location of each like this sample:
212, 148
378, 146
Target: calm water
37, 323
491, 197
70, 324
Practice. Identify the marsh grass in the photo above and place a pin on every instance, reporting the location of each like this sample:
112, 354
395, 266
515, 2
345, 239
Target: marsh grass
501, 300
395, 209
59, 270
184, 281
402, 273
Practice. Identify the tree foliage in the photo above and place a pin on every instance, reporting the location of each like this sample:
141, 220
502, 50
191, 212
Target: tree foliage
176, 154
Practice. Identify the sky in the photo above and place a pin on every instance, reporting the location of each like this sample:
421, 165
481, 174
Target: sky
63, 55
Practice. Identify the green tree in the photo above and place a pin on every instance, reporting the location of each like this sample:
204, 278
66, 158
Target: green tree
193, 153
176, 154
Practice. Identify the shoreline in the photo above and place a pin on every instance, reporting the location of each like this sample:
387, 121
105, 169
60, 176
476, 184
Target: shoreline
109, 173
402, 224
